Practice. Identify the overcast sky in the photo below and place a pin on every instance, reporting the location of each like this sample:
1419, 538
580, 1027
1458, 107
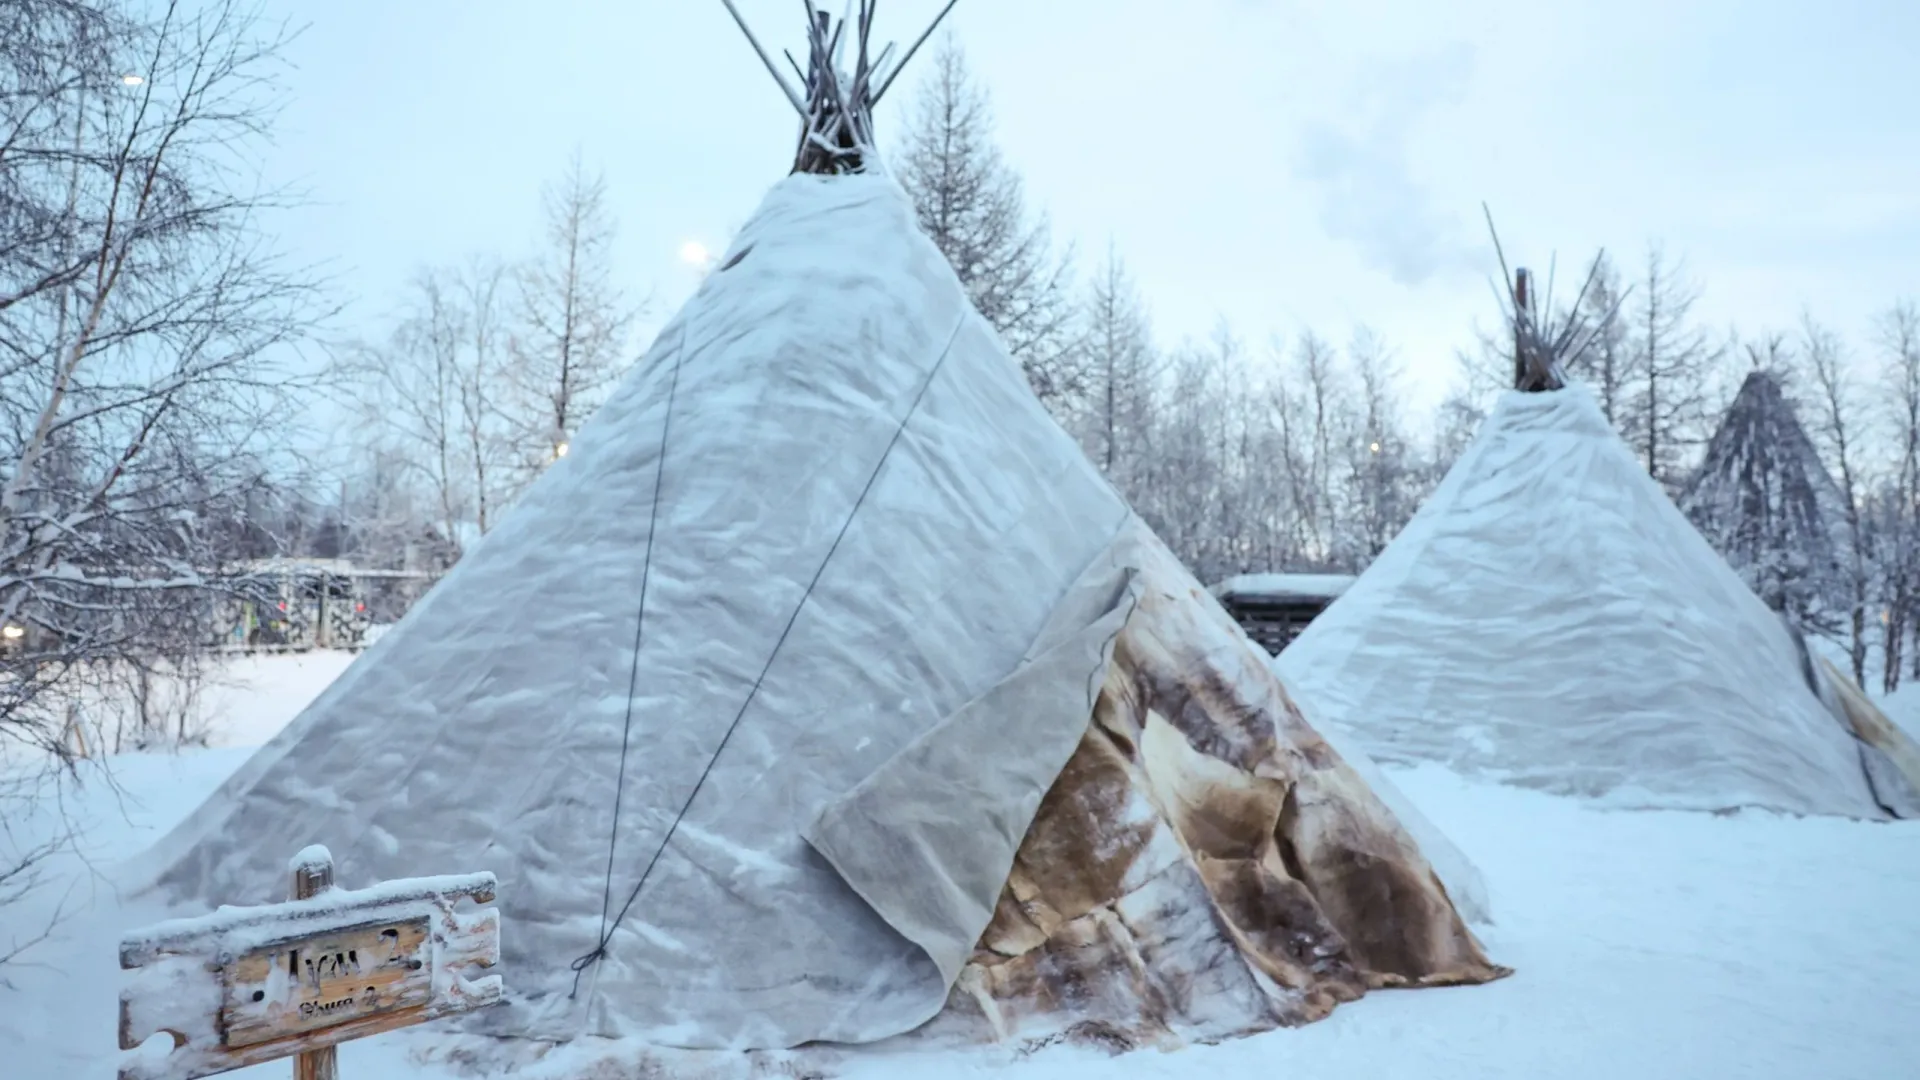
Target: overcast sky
1278, 164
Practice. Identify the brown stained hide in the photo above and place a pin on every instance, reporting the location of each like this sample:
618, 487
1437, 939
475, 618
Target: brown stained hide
1088, 968
1083, 868
1278, 927
1217, 810
1399, 924
1207, 866
1200, 705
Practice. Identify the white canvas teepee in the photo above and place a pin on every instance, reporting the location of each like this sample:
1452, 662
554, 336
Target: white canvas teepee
1551, 618
825, 689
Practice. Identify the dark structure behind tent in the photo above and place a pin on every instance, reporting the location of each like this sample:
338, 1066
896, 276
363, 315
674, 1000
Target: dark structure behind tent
1274, 608
1765, 501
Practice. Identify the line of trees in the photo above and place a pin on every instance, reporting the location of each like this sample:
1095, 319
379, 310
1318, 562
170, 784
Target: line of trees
1862, 409
149, 329
1294, 454
1301, 455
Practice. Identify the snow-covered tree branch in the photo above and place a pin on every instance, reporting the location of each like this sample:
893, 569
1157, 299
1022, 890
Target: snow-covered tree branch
1898, 342
148, 341
1837, 428
435, 386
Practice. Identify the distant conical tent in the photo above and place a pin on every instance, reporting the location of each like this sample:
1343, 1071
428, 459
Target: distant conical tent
825, 690
1550, 618
1764, 500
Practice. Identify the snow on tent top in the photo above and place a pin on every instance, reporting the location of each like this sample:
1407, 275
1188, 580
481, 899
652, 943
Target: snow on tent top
1550, 617
824, 690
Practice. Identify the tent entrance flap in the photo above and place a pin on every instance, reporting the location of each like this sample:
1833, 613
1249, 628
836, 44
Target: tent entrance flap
928, 839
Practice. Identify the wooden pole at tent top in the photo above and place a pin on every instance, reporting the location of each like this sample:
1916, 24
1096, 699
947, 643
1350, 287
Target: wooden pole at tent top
310, 878
1521, 310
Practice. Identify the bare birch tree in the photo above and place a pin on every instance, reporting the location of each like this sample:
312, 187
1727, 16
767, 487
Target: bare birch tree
1312, 408
1185, 488
435, 383
1838, 430
484, 437
146, 341
1382, 468
1464, 408
415, 392
1898, 333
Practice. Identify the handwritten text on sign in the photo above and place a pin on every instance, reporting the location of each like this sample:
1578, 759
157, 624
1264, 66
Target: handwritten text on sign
246, 985
304, 984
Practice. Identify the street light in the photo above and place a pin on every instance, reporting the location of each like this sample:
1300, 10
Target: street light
12, 632
131, 80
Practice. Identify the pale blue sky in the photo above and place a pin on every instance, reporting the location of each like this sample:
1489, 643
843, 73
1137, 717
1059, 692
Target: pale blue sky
1278, 163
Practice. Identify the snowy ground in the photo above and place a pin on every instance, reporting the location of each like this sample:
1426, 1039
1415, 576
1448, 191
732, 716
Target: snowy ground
1649, 945
255, 696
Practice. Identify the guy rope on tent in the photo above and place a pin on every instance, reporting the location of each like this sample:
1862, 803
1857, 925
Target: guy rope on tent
836, 138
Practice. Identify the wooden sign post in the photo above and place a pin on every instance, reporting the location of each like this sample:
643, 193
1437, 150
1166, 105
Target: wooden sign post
246, 985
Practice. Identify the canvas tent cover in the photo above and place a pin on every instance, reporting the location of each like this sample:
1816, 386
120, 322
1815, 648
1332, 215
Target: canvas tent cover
839, 427
1550, 617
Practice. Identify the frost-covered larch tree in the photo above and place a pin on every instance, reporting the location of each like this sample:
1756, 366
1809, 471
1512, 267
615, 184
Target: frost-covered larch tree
1120, 369
1663, 412
1607, 361
972, 204
568, 345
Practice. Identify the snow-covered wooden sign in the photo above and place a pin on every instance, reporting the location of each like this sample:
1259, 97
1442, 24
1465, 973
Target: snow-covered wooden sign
245, 985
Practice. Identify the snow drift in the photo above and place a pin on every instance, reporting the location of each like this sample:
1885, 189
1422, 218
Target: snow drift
923, 721
1550, 617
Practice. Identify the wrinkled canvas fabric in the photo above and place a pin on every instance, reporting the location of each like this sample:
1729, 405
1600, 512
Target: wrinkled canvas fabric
858, 772
1551, 619
928, 838
485, 731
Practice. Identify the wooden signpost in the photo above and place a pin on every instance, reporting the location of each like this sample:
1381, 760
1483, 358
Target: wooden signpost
246, 985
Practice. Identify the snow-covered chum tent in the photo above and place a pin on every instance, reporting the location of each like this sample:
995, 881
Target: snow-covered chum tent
825, 692
1551, 618
1765, 501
